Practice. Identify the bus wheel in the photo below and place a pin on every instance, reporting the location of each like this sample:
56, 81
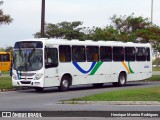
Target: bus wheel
38, 89
64, 86
121, 80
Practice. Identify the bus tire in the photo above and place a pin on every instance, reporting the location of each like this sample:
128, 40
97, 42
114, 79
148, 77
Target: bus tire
121, 80
65, 83
38, 89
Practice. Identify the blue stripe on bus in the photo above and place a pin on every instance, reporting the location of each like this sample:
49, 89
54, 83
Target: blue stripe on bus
18, 75
82, 70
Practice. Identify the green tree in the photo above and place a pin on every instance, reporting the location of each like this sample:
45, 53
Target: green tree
4, 19
129, 24
122, 28
65, 30
107, 33
127, 29
2, 49
9, 49
135, 29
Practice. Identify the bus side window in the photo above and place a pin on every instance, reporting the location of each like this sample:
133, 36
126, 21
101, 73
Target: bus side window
148, 54
65, 53
92, 53
130, 54
51, 57
1, 58
118, 53
62, 57
140, 54
106, 53
5, 57
95, 57
78, 53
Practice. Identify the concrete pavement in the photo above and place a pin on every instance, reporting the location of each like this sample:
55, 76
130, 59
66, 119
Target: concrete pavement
156, 73
113, 102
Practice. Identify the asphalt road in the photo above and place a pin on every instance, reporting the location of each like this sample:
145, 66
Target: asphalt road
49, 100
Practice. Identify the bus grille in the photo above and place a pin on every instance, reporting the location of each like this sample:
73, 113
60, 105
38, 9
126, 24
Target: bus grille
25, 82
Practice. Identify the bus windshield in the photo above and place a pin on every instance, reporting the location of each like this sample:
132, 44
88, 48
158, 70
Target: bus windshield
4, 57
27, 59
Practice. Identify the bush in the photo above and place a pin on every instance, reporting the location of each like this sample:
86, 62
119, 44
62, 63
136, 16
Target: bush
156, 62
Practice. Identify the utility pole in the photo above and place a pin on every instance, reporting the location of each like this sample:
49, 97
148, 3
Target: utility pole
151, 11
42, 18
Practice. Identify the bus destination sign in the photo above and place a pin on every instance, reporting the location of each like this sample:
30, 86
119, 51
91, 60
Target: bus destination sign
28, 44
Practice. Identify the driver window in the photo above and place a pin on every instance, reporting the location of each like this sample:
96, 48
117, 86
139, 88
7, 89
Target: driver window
51, 57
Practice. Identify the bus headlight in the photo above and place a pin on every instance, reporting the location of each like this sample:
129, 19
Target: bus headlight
14, 77
38, 76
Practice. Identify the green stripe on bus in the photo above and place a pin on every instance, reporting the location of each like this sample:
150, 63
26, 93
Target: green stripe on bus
96, 68
130, 68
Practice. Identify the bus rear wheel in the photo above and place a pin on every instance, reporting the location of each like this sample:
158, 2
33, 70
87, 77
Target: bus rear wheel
121, 80
65, 83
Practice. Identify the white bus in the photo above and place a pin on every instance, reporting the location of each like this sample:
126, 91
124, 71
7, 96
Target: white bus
41, 63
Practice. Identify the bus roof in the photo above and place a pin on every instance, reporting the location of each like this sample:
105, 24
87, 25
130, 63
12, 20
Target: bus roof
46, 41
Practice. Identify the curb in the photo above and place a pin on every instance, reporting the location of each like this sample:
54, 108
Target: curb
14, 89
5, 90
113, 102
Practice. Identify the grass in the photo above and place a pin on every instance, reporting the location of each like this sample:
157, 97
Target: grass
153, 78
139, 94
156, 68
5, 83
5, 72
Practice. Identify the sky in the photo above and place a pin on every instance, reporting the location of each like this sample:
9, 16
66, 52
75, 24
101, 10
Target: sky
27, 14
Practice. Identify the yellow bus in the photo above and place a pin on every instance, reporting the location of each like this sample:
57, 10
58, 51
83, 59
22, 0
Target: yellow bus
5, 61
